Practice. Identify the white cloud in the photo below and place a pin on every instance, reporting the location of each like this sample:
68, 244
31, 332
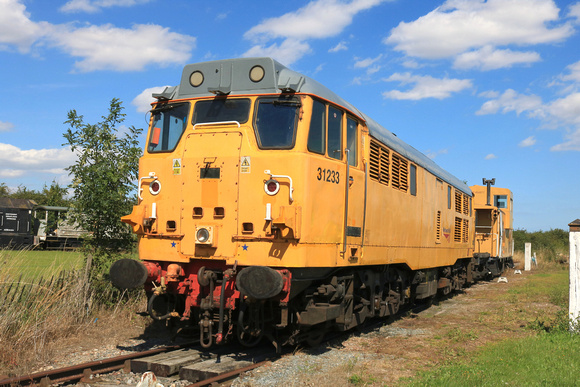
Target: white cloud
567, 109
572, 143
286, 53
104, 47
143, 101
107, 47
17, 162
490, 156
91, 6
488, 58
460, 25
510, 101
16, 28
425, 87
574, 73
575, 11
527, 142
339, 47
318, 19
367, 62
6, 126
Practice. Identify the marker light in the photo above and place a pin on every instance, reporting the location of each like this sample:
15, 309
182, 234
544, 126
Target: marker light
155, 187
257, 73
272, 187
196, 78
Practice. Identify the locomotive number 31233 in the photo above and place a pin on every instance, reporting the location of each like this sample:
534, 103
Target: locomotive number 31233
328, 175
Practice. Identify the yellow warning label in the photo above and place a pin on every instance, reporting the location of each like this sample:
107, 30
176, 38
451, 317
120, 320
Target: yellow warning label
177, 166
245, 164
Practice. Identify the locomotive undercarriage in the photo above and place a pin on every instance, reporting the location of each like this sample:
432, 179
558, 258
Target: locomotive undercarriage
307, 306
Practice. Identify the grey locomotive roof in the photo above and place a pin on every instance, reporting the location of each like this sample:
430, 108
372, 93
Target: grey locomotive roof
231, 77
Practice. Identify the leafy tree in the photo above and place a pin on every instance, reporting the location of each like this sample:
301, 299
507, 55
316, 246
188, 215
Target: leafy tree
4, 191
103, 182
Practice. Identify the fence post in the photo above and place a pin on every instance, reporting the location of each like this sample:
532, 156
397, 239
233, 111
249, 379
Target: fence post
528, 256
574, 308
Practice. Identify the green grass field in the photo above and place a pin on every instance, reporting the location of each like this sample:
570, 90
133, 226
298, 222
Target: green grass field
33, 264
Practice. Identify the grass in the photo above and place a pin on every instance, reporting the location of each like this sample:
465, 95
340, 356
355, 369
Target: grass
545, 359
33, 264
550, 355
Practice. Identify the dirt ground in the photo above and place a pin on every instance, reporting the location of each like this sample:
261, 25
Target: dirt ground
442, 333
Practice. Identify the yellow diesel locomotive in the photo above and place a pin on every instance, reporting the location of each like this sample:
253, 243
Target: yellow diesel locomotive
494, 244
271, 207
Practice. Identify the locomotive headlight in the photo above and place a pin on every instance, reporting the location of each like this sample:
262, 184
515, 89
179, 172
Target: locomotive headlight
155, 187
204, 235
272, 187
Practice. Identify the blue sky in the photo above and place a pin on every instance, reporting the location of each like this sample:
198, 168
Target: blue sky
488, 89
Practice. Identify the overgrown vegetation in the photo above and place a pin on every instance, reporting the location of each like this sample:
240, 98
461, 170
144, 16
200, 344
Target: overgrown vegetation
553, 245
45, 298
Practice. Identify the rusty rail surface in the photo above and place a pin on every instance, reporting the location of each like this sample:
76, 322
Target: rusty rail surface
78, 372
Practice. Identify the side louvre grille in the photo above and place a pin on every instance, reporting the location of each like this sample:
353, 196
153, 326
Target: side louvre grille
458, 201
438, 228
379, 163
400, 171
465, 230
457, 232
465, 204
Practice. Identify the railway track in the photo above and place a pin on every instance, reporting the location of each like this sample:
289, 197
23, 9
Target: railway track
187, 362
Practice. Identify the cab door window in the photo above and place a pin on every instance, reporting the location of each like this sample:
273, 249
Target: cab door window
334, 148
351, 140
317, 133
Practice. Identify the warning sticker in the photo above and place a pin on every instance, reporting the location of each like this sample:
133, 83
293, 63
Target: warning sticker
177, 166
245, 164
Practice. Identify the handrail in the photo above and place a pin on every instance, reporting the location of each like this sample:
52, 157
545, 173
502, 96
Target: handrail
216, 123
151, 175
272, 176
347, 151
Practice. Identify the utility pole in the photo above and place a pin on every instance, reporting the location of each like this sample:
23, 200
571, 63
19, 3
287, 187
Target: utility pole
574, 304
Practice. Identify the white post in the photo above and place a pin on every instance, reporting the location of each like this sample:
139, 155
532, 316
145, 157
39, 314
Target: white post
528, 261
574, 308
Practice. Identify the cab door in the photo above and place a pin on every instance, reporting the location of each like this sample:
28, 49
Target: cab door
354, 186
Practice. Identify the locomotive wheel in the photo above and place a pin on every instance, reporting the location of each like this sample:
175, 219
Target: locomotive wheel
316, 337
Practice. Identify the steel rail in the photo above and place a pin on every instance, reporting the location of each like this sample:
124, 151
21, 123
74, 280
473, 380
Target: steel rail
84, 370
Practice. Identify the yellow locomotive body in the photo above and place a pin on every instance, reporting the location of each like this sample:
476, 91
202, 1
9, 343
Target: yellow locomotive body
494, 242
265, 196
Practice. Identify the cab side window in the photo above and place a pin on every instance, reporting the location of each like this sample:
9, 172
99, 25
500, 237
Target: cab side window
316, 135
334, 148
